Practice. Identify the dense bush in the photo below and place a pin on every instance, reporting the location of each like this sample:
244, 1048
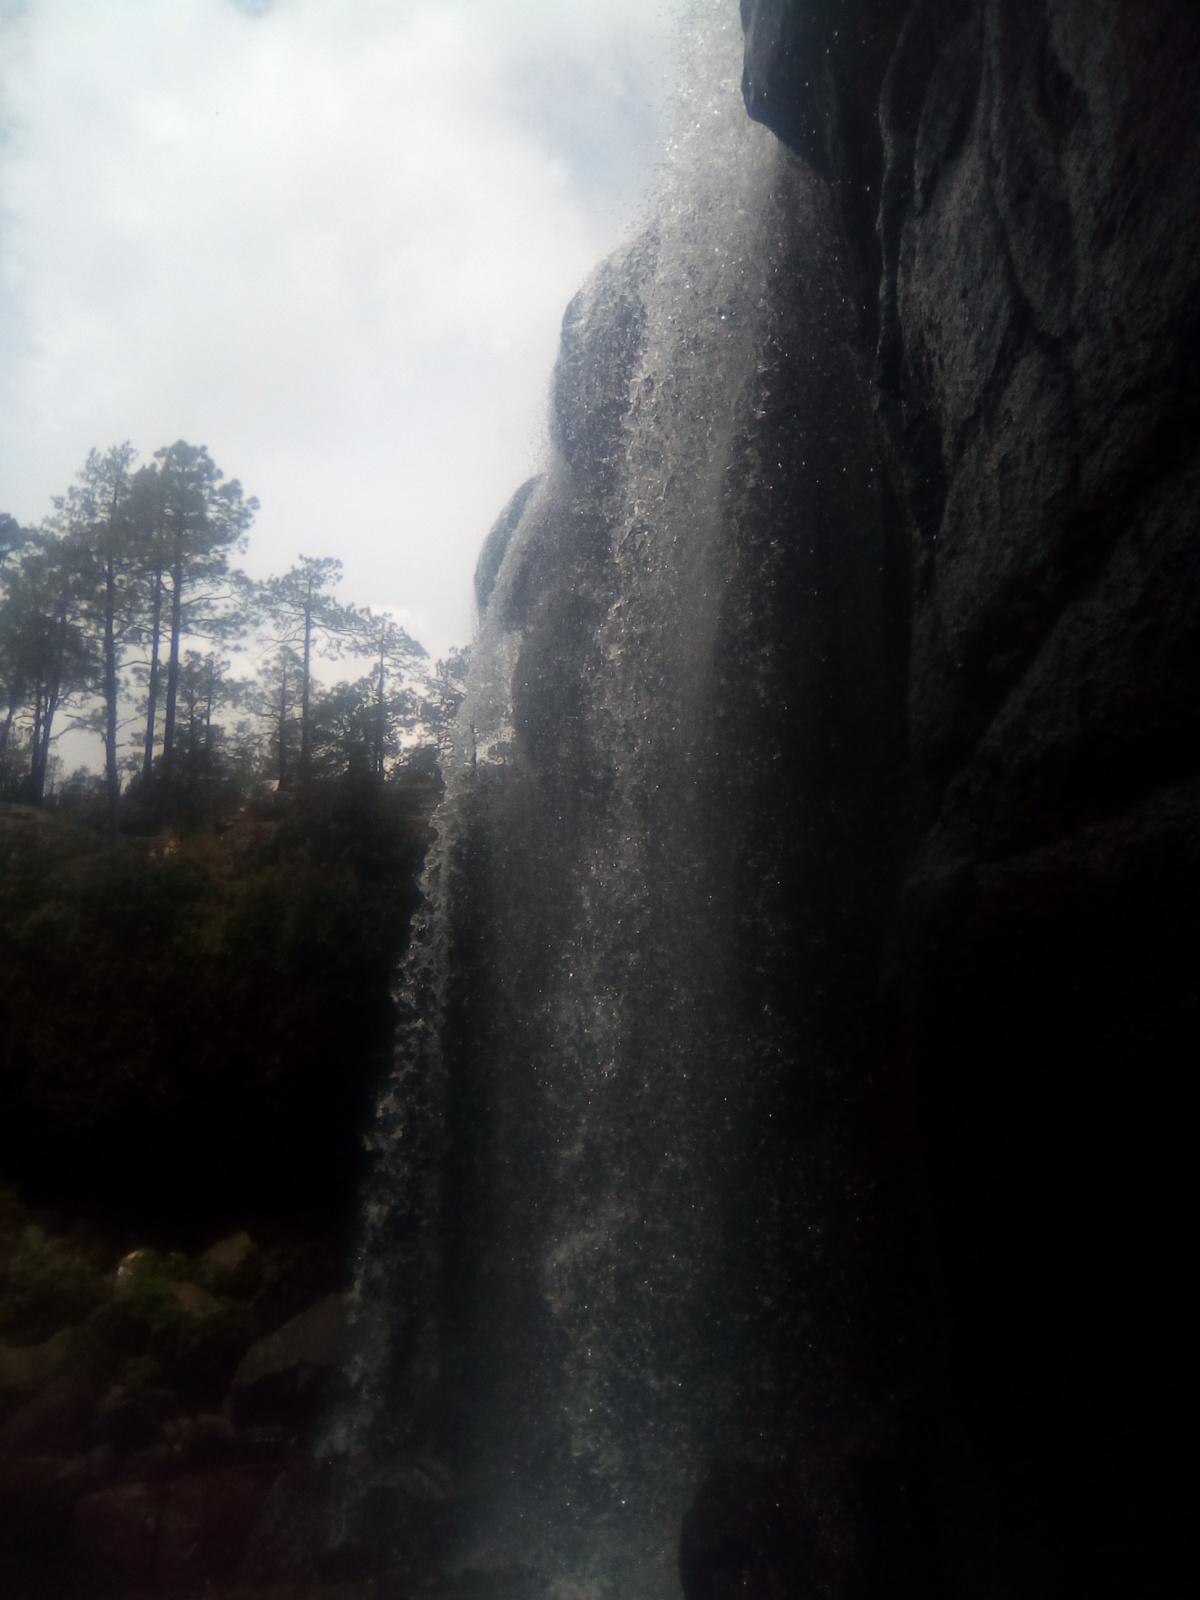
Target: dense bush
202, 1017
141, 1336
45, 1289
166, 1322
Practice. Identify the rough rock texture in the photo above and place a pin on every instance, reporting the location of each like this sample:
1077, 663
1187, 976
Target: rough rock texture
31, 1366
497, 542
110, 1481
786, 1114
1018, 188
223, 1261
285, 1379
53, 1422
182, 1531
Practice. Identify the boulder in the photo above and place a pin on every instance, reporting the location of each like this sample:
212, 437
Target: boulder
154, 1463
24, 1479
133, 1419
743, 1535
186, 1530
422, 1481
491, 557
227, 1257
53, 1423
284, 1379
117, 1528
37, 1494
292, 1531
1018, 186
207, 1520
16, 1366
206, 1440
133, 1263
34, 1365
194, 1301
404, 1515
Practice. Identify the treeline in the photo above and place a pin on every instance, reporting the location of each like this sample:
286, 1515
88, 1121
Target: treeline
124, 612
198, 944
193, 1023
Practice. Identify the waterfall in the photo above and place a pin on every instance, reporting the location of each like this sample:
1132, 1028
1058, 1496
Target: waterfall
610, 1158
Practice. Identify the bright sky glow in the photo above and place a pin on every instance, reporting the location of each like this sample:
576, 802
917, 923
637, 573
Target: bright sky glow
330, 239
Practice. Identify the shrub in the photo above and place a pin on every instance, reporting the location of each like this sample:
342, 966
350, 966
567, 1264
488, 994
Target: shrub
48, 1288
142, 1337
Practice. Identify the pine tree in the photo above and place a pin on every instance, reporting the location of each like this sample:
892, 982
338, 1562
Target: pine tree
304, 618
98, 522
205, 518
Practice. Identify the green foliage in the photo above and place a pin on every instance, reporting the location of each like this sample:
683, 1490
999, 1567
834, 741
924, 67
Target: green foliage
47, 1289
143, 1327
141, 1336
124, 601
197, 1017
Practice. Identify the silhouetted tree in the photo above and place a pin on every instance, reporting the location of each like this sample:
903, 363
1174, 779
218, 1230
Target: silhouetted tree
98, 522
205, 518
445, 689
397, 707
303, 616
47, 647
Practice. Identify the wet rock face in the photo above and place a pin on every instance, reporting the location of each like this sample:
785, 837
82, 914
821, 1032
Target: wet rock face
1035, 374
1019, 192
811, 946
497, 542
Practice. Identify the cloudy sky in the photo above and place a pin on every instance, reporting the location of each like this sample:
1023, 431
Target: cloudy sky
330, 239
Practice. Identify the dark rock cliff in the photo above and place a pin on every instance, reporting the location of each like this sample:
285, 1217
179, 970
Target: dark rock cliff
787, 1116
1017, 187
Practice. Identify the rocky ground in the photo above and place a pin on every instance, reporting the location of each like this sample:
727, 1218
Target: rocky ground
158, 1416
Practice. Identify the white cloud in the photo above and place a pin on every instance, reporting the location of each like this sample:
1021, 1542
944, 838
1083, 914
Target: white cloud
333, 241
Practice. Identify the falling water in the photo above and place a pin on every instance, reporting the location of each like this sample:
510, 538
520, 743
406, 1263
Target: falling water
600, 1208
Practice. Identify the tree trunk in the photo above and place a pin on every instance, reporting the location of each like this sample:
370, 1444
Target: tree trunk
112, 780
35, 745
152, 683
6, 729
283, 724
380, 714
210, 690
305, 679
169, 706
48, 696
193, 751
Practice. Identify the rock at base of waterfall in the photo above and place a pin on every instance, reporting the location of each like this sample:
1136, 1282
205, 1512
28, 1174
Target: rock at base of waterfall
283, 1381
227, 1260
54, 1423
748, 1532
32, 1366
190, 1529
